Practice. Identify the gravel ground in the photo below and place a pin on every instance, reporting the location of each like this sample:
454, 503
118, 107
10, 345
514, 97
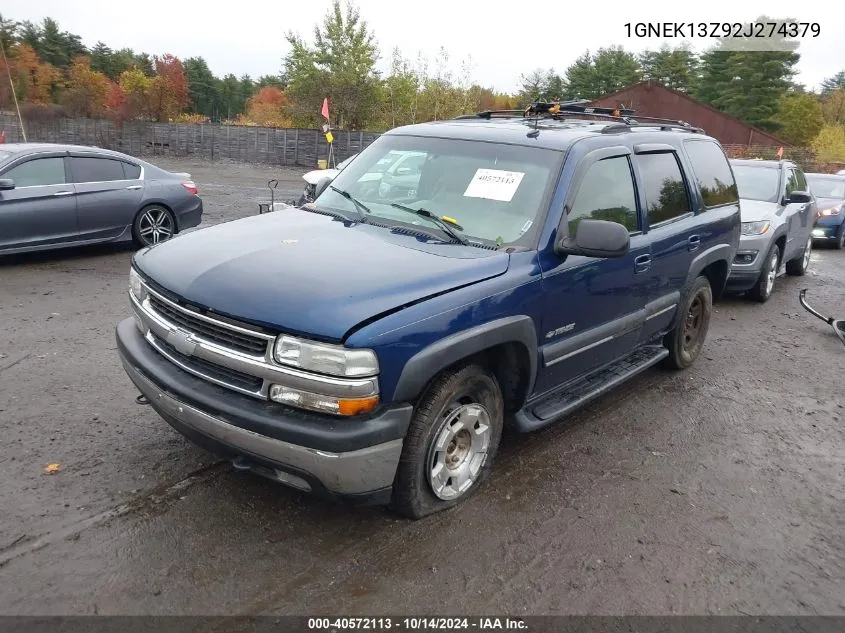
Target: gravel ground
718, 490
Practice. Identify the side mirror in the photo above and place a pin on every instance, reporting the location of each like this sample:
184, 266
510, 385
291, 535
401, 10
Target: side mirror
321, 186
799, 197
6, 184
596, 238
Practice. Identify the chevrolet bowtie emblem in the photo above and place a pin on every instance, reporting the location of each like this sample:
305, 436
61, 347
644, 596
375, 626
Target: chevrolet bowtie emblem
181, 342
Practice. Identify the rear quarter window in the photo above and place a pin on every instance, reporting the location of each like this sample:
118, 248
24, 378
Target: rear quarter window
712, 173
132, 172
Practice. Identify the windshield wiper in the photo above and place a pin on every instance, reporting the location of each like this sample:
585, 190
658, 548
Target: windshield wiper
358, 204
423, 213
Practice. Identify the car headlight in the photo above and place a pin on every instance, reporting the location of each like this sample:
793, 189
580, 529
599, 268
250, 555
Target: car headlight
136, 286
829, 212
755, 228
322, 358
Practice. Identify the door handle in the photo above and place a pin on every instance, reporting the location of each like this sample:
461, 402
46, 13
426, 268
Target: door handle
694, 242
63, 193
642, 263
134, 186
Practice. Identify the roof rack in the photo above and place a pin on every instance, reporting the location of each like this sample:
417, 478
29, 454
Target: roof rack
664, 124
558, 110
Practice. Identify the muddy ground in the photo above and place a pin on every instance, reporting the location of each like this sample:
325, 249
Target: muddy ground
719, 490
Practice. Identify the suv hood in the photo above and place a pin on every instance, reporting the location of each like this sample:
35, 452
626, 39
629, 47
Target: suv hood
300, 272
757, 210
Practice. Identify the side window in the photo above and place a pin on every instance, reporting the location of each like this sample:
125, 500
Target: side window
90, 169
40, 171
801, 181
131, 172
712, 173
606, 193
663, 184
791, 182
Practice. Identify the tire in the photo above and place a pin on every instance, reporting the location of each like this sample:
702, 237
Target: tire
686, 341
798, 266
153, 224
839, 244
442, 463
762, 290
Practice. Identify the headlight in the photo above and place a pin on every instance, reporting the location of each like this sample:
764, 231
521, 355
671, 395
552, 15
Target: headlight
754, 228
322, 358
136, 286
829, 212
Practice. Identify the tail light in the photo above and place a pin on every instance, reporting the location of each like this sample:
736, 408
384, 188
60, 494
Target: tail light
191, 186
829, 212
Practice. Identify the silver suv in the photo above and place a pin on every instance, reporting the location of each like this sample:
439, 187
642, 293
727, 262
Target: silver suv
778, 213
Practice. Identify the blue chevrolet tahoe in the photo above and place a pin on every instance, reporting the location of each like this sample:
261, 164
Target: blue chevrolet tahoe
372, 349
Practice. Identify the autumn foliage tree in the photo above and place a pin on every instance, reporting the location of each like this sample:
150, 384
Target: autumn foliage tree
86, 91
35, 81
267, 108
168, 90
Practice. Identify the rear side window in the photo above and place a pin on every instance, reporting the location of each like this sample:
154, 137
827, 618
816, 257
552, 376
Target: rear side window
131, 172
89, 169
606, 193
38, 172
713, 173
663, 185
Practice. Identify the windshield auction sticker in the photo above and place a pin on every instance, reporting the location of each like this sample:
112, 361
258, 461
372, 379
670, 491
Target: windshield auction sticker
494, 184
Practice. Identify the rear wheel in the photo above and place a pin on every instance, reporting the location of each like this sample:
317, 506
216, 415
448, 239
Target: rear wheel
799, 265
687, 339
449, 448
153, 224
762, 290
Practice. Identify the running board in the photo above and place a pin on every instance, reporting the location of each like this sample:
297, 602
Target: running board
548, 409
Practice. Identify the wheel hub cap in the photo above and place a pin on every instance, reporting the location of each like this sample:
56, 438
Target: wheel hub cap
459, 451
773, 271
807, 251
156, 226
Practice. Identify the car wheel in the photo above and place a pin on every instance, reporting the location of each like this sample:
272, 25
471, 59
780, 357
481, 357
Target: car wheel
762, 290
449, 448
839, 244
799, 265
687, 339
154, 224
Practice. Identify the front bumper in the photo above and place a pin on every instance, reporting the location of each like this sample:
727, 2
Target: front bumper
744, 272
351, 459
823, 232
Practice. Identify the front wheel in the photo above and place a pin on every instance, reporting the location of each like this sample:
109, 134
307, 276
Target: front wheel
153, 224
799, 266
762, 290
687, 339
449, 448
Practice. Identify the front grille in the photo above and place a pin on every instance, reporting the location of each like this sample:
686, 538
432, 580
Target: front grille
225, 375
219, 334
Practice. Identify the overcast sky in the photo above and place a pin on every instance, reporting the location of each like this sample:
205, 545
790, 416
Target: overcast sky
504, 39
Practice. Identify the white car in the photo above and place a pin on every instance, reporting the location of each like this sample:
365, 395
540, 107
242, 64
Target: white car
841, 172
314, 176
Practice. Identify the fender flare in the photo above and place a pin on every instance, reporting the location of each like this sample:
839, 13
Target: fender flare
431, 360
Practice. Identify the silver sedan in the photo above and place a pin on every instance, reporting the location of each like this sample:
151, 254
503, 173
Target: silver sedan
52, 196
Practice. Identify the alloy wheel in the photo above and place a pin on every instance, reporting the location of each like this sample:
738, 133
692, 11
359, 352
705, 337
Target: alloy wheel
155, 225
459, 451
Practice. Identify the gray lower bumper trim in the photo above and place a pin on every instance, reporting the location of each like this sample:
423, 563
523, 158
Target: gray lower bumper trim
355, 472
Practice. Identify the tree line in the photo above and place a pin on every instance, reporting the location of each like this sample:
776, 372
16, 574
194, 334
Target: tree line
54, 72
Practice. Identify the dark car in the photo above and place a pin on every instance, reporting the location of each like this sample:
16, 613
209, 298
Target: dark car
374, 349
829, 191
53, 196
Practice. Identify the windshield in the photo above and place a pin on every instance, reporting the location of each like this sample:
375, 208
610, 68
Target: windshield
493, 192
757, 183
827, 187
343, 164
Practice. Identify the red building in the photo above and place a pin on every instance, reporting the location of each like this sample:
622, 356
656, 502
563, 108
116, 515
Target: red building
652, 99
